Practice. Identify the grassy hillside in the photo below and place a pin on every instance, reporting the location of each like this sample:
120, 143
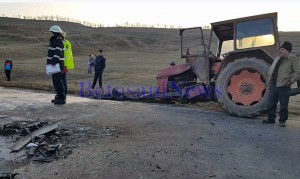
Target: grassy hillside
134, 55
21, 35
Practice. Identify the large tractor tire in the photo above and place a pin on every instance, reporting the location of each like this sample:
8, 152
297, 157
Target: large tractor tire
241, 87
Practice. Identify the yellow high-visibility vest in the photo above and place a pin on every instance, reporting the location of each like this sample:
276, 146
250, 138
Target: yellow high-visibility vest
68, 55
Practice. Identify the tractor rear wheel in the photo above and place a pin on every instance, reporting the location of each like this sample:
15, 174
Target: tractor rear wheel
242, 88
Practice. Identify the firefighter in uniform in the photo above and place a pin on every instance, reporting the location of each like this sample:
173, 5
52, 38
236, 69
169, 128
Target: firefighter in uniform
56, 55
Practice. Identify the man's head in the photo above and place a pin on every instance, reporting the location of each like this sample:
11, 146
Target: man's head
55, 30
100, 52
285, 49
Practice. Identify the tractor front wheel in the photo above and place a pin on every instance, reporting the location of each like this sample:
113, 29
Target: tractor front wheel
241, 87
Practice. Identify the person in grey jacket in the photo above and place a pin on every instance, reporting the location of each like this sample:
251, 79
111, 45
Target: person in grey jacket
284, 71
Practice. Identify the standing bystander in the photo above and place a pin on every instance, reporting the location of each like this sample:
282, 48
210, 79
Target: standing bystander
68, 62
99, 68
8, 67
284, 71
90, 64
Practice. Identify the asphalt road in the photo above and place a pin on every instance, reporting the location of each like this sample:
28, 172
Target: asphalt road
154, 141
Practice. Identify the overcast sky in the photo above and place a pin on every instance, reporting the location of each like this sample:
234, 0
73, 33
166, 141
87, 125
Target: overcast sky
183, 13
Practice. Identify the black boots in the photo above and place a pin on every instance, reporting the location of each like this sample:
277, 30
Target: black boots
281, 124
267, 121
59, 99
55, 98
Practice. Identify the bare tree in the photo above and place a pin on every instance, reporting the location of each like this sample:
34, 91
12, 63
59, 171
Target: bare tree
126, 24
95, 25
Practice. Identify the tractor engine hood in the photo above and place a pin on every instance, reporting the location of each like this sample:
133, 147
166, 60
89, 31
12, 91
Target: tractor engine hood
173, 70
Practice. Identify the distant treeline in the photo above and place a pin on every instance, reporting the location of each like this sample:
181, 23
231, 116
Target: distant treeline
95, 25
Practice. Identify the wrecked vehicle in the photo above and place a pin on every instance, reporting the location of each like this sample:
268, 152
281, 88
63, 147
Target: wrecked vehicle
234, 72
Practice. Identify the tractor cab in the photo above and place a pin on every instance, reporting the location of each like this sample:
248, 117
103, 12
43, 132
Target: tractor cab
248, 33
227, 41
255, 36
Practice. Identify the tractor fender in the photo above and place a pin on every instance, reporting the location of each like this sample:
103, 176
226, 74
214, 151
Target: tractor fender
256, 53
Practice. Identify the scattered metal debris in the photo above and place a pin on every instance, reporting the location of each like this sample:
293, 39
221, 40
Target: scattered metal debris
44, 141
19, 145
20, 127
42, 159
8, 175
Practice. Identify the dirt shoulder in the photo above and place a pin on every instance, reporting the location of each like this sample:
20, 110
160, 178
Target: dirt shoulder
152, 140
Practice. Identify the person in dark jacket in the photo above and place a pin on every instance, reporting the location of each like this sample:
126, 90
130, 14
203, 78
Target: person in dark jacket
8, 67
284, 71
56, 55
99, 68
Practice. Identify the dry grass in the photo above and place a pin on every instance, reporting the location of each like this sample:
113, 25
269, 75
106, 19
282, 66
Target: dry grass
122, 69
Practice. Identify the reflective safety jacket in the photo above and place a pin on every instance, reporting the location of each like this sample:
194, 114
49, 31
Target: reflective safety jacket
69, 63
56, 51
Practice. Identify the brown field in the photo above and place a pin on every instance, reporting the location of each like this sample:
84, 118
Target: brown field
134, 55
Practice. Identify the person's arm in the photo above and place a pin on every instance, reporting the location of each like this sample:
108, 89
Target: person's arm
11, 64
58, 53
296, 70
104, 60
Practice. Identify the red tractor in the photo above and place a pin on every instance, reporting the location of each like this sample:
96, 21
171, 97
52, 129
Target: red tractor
232, 68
